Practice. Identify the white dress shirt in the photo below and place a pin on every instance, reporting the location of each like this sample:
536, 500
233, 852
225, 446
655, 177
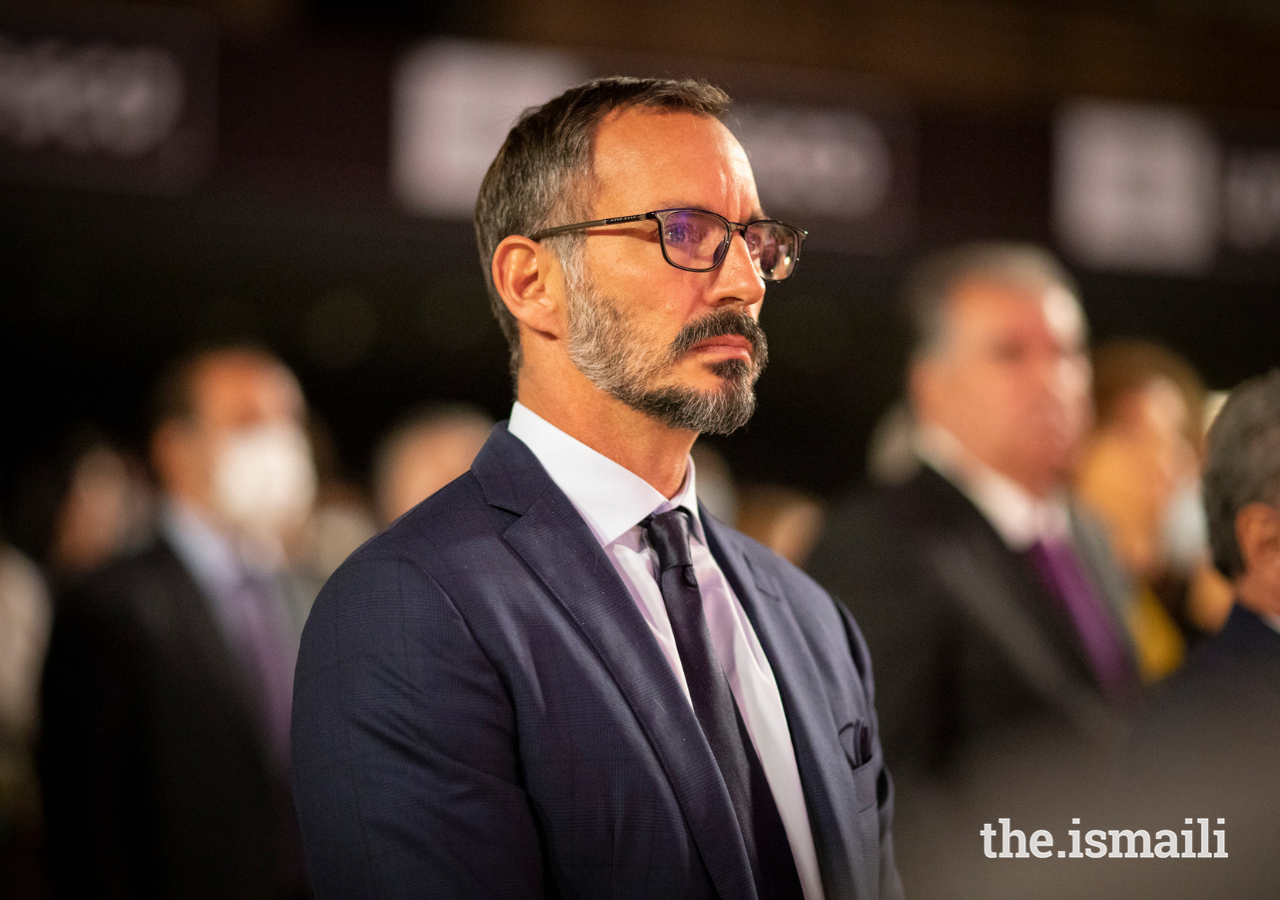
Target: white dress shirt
1019, 517
613, 501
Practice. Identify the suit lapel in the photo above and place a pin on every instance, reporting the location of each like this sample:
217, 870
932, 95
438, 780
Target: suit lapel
824, 770
564, 556
1114, 590
177, 609
973, 565
992, 605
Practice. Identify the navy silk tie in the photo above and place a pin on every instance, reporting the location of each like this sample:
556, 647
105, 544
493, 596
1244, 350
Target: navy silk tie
773, 866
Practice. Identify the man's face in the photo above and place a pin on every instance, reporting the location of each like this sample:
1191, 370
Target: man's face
682, 347
246, 427
1011, 381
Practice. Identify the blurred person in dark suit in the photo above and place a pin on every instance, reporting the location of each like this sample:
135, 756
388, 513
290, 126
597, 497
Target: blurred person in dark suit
166, 695
423, 453
994, 606
560, 675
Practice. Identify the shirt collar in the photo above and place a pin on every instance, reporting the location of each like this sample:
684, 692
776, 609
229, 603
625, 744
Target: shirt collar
612, 499
209, 556
1019, 517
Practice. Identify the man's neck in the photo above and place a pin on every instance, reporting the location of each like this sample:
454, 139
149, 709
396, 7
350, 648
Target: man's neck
934, 441
262, 552
1020, 516
633, 440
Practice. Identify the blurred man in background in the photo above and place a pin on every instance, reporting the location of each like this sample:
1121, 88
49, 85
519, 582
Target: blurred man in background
989, 605
424, 453
992, 609
167, 690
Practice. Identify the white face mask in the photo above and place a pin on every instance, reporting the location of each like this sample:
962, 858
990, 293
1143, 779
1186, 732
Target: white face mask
264, 477
1185, 529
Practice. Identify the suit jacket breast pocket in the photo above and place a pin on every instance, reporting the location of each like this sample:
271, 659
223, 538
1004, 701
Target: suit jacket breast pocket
855, 738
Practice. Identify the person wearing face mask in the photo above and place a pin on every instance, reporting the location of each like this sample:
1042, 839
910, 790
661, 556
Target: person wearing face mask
167, 691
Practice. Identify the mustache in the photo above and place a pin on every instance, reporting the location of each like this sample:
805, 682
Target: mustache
718, 324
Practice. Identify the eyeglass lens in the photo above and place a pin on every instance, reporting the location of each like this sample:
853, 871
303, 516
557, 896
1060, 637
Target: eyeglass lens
698, 240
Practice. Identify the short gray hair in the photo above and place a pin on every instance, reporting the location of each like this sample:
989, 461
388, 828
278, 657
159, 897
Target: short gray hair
543, 172
1243, 464
934, 281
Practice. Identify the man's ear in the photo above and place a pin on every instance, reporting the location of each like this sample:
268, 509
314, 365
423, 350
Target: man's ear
1258, 536
530, 281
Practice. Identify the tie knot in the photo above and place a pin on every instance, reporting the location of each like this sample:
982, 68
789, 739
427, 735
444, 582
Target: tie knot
668, 535
1052, 551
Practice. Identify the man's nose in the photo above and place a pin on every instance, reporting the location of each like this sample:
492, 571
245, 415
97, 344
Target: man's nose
737, 279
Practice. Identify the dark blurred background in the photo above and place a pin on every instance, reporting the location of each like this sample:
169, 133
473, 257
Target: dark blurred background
266, 204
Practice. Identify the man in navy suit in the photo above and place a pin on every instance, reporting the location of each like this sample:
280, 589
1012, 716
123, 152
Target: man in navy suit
559, 676
1208, 738
1236, 673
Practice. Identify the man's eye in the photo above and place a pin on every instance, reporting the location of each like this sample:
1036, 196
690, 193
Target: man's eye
687, 229
679, 234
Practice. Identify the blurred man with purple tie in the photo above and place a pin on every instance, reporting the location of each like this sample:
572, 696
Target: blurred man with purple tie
993, 607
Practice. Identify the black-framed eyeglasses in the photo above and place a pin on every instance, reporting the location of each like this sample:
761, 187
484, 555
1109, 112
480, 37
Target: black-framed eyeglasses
698, 241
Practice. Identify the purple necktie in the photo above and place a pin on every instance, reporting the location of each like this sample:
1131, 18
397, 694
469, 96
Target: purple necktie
262, 642
1060, 569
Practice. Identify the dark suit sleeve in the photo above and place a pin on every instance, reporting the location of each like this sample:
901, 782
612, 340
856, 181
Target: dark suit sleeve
406, 772
890, 882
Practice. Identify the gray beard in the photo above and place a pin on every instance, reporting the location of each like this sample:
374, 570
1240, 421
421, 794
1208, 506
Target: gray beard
604, 348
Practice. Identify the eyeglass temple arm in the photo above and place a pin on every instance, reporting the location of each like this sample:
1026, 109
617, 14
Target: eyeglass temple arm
561, 229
